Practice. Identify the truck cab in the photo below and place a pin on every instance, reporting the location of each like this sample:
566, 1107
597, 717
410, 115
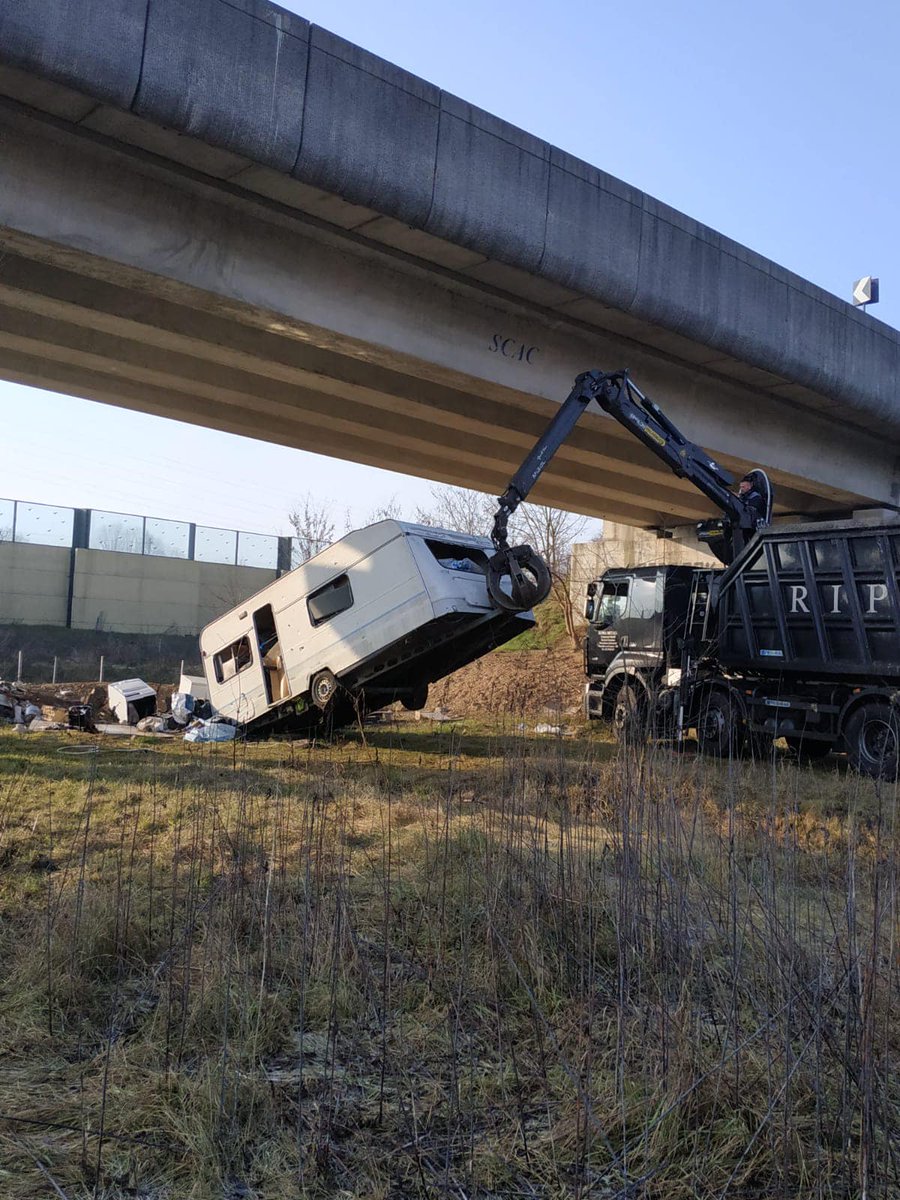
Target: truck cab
636, 620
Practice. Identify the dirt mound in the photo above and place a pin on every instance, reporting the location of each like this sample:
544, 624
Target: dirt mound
520, 682
61, 695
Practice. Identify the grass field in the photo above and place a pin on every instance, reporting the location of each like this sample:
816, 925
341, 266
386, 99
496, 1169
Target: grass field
455, 962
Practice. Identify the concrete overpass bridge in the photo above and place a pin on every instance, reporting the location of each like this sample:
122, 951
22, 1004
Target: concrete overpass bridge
213, 211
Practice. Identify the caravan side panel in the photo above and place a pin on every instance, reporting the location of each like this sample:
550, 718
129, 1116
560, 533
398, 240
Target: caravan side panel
389, 600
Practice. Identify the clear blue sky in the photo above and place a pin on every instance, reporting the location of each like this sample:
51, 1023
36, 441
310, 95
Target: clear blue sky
773, 122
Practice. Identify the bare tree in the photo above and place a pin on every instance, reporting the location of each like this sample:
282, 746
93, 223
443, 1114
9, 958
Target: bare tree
121, 536
389, 510
551, 532
313, 528
459, 509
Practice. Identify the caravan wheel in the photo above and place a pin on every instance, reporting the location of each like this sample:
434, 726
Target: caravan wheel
416, 699
323, 688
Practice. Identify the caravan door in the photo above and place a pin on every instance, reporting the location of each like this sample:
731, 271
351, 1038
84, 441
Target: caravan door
275, 679
237, 676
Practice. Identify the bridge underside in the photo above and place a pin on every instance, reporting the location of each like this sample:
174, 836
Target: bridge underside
134, 280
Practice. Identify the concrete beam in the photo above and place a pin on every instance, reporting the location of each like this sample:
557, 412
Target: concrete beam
268, 319
247, 91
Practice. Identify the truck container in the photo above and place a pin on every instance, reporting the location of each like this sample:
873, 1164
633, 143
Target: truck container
820, 600
373, 619
798, 638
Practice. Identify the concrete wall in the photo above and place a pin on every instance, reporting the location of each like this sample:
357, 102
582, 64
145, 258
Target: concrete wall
33, 584
125, 593
139, 594
626, 546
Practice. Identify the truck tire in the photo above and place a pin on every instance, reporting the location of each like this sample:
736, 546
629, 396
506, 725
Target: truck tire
872, 735
630, 713
720, 725
323, 689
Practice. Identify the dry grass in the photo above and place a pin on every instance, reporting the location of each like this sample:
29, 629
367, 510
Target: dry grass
462, 963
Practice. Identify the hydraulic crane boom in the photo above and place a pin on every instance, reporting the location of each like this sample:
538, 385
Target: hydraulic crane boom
617, 395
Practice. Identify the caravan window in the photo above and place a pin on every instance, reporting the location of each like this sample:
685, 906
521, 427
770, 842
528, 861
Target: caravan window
233, 659
335, 597
456, 557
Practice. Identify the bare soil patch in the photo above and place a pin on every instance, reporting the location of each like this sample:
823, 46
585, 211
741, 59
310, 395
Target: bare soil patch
534, 683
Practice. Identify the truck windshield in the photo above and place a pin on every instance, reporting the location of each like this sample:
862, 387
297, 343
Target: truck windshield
612, 601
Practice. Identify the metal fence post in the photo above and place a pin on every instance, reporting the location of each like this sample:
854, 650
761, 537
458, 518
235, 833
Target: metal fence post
100, 680
81, 540
19, 669
55, 662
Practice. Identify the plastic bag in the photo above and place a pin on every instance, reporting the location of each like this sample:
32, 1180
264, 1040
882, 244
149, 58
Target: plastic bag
182, 707
211, 731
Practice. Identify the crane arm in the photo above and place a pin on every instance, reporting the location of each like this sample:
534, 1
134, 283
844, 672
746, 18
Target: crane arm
622, 399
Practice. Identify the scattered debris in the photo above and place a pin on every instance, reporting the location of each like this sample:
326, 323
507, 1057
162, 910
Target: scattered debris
132, 699
213, 730
433, 714
129, 731
152, 725
81, 716
55, 713
182, 707
193, 685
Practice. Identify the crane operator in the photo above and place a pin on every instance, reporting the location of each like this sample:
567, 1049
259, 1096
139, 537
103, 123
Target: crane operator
756, 491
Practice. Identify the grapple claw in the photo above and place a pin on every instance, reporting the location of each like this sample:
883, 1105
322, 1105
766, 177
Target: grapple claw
517, 579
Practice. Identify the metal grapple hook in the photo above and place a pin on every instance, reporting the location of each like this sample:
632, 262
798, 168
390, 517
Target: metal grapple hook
517, 578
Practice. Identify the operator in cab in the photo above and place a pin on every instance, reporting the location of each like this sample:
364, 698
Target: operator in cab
756, 492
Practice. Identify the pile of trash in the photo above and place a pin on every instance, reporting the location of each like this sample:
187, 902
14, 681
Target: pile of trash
15, 707
131, 704
135, 702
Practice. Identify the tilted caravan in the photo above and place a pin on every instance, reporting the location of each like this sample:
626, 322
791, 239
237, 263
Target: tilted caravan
375, 618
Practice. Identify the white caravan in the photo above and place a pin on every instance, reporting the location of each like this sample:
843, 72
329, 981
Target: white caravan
373, 619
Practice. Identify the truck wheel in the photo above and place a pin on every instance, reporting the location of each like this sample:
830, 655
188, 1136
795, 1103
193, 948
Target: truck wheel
720, 725
872, 734
630, 714
323, 689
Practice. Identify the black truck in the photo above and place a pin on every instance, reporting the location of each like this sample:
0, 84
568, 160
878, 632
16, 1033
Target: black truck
797, 635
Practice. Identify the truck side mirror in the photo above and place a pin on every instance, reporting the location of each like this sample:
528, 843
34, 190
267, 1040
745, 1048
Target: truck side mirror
589, 609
